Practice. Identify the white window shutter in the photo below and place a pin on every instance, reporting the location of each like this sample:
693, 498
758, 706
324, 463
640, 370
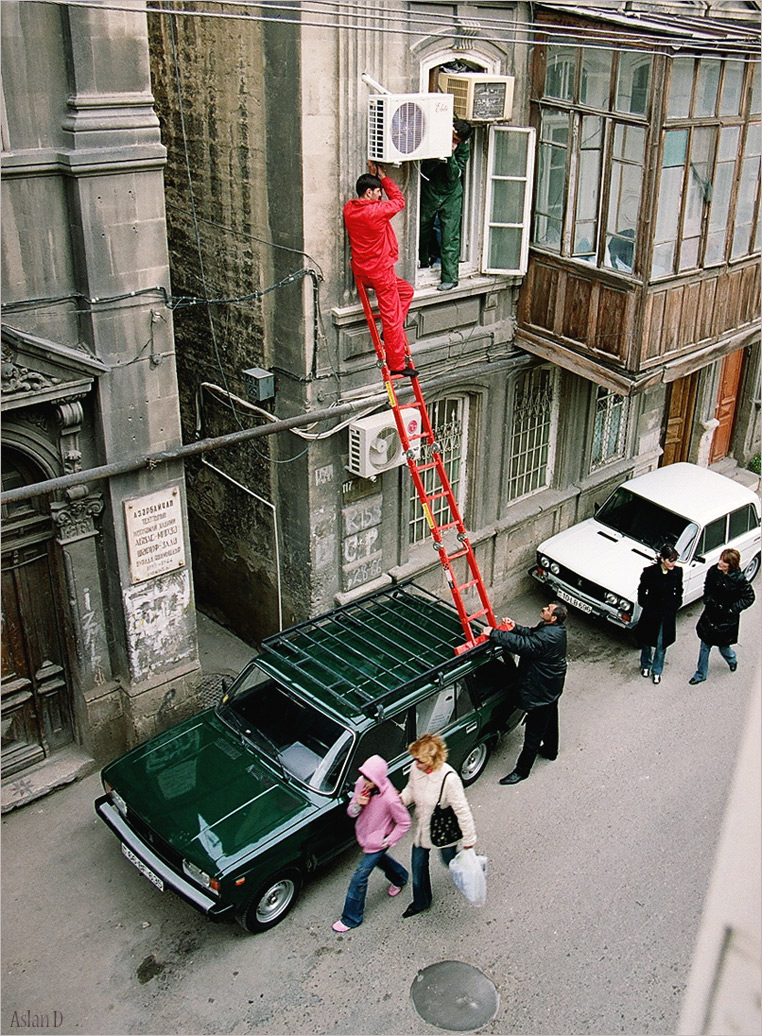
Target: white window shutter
507, 214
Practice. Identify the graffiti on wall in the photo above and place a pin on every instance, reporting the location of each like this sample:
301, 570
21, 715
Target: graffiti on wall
361, 542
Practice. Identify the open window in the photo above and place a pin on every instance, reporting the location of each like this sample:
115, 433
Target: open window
497, 195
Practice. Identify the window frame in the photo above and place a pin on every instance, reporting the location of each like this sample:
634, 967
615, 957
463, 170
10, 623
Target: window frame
621, 443
696, 116
492, 178
477, 185
702, 548
611, 124
552, 425
416, 519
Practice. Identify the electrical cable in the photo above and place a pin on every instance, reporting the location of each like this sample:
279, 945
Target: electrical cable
662, 38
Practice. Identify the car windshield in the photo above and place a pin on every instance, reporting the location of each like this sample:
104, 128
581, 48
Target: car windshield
648, 523
301, 741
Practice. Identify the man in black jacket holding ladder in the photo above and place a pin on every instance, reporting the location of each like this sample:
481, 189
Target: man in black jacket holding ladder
541, 673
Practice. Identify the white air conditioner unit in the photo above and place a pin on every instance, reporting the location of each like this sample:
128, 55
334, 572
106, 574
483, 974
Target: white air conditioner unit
478, 96
374, 442
406, 127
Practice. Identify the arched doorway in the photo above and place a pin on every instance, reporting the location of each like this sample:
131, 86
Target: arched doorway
36, 699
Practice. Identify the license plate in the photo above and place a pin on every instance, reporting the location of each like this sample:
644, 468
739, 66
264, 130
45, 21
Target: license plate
575, 601
146, 871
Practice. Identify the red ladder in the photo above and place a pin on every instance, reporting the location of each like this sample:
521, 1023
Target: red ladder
442, 492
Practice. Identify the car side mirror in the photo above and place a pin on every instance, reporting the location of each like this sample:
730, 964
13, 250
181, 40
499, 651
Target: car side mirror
701, 558
596, 508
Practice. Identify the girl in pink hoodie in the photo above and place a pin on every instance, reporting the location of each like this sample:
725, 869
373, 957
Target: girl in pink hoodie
381, 821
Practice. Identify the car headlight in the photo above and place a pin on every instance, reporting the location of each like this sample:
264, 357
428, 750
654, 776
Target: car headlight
625, 605
554, 568
612, 599
545, 562
200, 876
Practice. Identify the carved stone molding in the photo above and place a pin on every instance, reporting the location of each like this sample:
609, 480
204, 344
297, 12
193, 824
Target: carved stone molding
18, 380
76, 519
70, 416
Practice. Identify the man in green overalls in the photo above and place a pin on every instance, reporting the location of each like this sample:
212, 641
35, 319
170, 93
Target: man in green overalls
442, 195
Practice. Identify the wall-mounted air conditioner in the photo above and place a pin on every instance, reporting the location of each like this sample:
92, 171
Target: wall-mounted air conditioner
406, 127
374, 442
478, 96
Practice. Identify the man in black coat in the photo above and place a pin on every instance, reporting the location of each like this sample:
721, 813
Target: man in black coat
541, 673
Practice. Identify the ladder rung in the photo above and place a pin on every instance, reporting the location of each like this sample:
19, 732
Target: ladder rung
456, 555
372, 316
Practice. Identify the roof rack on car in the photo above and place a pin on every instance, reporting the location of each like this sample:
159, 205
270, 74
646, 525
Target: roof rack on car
363, 655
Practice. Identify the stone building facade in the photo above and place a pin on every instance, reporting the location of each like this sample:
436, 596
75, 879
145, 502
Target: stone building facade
265, 121
99, 644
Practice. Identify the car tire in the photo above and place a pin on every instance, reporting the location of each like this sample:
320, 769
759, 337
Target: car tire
752, 568
473, 765
272, 902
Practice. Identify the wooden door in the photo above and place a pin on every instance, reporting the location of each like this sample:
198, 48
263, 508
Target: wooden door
725, 411
680, 408
36, 700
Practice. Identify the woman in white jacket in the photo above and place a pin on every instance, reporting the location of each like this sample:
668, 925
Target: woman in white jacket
423, 789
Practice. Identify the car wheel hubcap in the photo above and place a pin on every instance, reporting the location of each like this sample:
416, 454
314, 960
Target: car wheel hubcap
275, 900
474, 762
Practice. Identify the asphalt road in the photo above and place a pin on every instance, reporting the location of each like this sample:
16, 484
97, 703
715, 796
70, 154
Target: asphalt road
598, 868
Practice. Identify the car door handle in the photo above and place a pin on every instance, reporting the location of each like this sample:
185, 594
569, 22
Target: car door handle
471, 728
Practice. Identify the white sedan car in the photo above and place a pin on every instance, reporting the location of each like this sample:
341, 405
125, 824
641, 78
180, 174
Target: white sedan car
595, 566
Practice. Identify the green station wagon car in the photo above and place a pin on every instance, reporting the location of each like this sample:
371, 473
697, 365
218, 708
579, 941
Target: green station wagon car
235, 807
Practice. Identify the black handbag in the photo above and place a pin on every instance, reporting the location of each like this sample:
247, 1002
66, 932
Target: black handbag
445, 828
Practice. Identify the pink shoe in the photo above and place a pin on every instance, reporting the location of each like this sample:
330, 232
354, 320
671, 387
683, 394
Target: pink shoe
394, 890
339, 927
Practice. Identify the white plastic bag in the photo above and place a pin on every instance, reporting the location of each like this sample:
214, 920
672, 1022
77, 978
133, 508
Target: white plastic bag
468, 872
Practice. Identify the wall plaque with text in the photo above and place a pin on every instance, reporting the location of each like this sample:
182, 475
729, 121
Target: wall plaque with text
154, 534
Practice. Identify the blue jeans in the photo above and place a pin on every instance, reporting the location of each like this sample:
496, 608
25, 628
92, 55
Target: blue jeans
702, 666
653, 657
421, 878
354, 904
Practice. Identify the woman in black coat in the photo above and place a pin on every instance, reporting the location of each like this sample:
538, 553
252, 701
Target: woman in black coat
726, 594
660, 595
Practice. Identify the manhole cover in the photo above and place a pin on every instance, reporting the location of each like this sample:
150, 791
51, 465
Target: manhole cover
454, 996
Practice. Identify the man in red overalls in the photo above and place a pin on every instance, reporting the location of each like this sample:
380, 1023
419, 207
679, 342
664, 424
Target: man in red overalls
374, 253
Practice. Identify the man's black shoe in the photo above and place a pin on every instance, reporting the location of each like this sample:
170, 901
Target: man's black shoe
406, 372
512, 778
412, 910
733, 666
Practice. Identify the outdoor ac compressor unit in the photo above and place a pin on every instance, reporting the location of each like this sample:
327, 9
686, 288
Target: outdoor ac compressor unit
406, 127
374, 442
478, 96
